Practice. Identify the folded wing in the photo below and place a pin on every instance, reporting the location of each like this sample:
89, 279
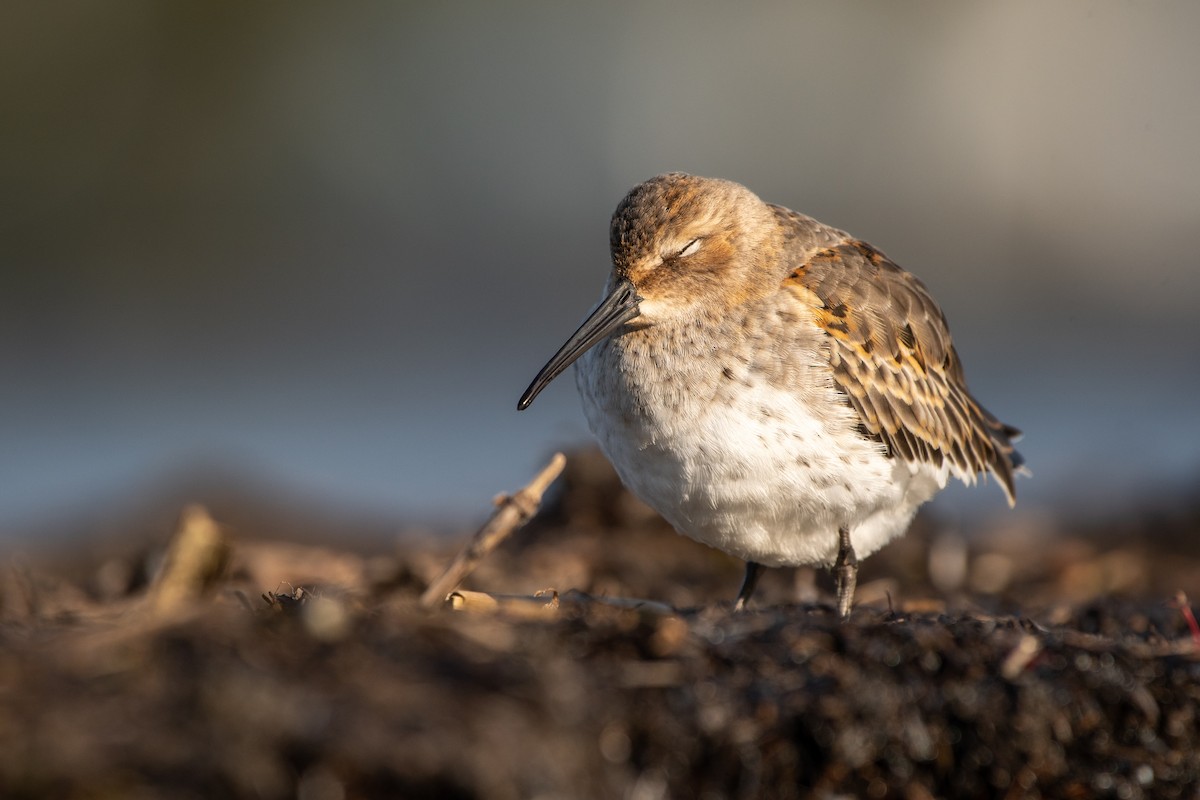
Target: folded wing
892, 356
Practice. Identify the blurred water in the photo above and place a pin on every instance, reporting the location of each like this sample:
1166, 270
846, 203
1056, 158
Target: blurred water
330, 246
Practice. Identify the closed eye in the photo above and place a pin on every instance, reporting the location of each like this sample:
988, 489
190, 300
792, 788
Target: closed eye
689, 248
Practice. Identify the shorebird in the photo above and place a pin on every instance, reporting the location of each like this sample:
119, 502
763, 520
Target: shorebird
772, 386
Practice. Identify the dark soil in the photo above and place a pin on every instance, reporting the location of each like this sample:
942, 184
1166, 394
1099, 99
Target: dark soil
1030, 661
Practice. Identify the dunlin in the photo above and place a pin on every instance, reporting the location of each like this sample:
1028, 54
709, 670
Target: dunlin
772, 386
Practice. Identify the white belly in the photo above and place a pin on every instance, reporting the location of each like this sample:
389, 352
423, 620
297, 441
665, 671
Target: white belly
763, 472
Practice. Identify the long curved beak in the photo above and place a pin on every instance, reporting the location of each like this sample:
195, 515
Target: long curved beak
619, 307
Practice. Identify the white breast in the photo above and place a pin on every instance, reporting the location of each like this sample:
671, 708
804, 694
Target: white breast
764, 470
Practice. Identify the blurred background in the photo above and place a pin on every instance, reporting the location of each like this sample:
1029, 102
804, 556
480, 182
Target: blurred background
316, 251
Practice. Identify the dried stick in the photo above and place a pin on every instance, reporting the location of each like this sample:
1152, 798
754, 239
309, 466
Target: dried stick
512, 512
195, 561
546, 601
1181, 602
515, 605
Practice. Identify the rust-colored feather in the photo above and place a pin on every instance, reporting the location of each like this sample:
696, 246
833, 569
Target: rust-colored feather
892, 356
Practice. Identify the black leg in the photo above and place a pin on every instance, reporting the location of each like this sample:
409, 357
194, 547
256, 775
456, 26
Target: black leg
748, 584
845, 569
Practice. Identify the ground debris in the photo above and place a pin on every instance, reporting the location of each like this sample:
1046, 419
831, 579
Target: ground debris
331, 681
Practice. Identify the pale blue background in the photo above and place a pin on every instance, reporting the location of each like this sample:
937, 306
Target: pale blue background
321, 248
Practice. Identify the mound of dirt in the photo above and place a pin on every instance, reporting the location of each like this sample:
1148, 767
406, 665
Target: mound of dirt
1032, 662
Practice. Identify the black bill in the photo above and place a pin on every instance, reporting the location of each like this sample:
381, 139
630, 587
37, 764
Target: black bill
619, 307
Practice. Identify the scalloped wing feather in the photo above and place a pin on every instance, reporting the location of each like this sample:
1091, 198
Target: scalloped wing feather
892, 356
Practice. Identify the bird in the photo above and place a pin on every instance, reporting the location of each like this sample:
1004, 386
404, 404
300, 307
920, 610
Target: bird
770, 385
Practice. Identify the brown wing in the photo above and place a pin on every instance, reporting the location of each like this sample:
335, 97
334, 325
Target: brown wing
891, 354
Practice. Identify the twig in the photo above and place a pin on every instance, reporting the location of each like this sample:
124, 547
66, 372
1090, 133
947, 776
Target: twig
512, 512
196, 560
1181, 603
516, 605
546, 601
1020, 657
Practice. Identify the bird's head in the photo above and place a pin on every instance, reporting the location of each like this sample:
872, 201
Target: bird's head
681, 246
688, 245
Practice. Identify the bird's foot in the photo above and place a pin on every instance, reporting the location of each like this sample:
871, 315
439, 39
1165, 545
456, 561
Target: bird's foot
845, 569
748, 584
